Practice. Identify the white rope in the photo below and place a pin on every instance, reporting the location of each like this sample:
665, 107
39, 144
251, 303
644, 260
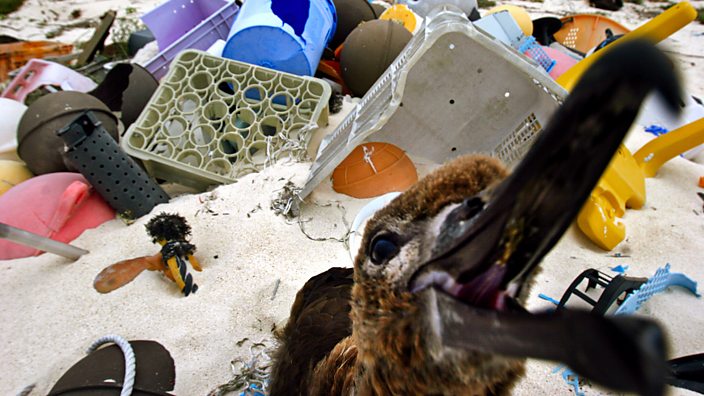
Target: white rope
130, 363
368, 157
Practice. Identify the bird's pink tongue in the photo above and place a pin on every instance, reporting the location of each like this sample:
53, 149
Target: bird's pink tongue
483, 290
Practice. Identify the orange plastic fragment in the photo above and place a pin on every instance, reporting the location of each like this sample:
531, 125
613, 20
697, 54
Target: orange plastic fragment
16, 55
701, 182
124, 272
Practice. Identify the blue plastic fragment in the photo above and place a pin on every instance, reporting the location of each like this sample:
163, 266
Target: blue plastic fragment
253, 390
548, 298
661, 280
656, 284
294, 13
570, 378
536, 52
621, 269
656, 130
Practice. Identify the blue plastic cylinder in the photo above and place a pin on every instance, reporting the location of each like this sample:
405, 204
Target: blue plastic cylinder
285, 35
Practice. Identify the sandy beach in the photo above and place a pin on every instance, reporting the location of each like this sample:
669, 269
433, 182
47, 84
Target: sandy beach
255, 260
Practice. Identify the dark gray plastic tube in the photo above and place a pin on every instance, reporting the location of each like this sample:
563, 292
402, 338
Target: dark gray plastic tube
113, 174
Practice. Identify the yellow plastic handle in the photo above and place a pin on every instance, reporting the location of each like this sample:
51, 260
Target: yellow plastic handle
655, 30
173, 266
655, 153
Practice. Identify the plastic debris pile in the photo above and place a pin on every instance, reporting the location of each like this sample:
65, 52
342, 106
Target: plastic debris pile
232, 87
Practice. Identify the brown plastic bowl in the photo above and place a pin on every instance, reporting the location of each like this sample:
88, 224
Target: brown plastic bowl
369, 50
127, 88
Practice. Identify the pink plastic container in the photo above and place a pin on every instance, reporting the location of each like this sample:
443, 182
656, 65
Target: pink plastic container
59, 206
201, 37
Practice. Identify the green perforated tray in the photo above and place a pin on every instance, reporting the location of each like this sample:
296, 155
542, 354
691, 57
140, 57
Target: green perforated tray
213, 120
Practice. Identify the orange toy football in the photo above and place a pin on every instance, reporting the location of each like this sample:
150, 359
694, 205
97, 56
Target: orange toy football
373, 169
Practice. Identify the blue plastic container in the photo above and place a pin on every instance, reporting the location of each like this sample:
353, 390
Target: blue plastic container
282, 34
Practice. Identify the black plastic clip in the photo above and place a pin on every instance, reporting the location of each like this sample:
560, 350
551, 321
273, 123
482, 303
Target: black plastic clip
615, 289
76, 132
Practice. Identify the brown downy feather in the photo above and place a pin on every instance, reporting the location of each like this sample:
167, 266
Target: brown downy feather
320, 355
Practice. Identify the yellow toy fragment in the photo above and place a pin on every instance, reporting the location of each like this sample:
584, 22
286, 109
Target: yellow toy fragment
623, 182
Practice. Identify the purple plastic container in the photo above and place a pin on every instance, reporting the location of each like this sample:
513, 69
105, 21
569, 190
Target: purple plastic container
172, 20
201, 37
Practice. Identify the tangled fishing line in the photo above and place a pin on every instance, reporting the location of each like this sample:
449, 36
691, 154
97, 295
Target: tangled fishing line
251, 375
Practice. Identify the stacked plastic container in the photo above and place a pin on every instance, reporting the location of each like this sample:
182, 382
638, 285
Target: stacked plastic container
213, 120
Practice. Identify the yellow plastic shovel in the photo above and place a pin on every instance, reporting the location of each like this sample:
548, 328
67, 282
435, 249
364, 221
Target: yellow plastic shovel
623, 182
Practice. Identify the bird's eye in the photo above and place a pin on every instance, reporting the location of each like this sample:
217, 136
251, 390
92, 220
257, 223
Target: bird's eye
383, 248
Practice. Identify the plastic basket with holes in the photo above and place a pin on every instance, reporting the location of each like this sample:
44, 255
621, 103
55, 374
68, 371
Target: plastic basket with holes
213, 120
452, 90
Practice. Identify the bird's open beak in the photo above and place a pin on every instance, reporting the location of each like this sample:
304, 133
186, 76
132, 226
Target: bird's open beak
489, 245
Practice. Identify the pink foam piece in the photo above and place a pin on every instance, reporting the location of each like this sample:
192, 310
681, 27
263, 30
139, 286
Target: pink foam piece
563, 62
37, 73
59, 206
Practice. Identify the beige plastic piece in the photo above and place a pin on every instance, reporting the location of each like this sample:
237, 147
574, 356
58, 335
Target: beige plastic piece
213, 120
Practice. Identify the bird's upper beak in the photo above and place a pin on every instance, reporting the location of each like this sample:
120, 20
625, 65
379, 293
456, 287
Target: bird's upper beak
488, 246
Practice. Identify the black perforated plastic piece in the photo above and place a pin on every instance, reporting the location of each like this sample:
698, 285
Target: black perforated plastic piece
116, 176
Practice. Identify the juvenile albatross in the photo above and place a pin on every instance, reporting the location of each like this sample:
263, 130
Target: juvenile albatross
433, 304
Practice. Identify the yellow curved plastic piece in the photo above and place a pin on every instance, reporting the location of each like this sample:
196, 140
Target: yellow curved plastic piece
402, 14
655, 153
173, 267
622, 185
655, 30
194, 262
599, 219
623, 182
12, 173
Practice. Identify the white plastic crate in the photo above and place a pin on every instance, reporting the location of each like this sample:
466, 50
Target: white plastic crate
453, 90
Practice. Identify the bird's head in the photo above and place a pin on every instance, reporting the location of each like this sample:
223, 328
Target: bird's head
446, 265
395, 262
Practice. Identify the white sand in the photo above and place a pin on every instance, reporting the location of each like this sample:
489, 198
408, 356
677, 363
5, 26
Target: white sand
50, 313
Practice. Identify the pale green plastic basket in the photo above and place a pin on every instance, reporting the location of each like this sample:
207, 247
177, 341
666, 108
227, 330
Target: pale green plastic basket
213, 120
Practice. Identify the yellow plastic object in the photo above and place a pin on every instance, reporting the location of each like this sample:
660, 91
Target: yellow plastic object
175, 274
623, 183
655, 153
402, 14
655, 30
519, 14
11, 174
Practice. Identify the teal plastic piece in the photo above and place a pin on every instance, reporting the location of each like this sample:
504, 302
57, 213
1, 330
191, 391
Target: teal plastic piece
662, 279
